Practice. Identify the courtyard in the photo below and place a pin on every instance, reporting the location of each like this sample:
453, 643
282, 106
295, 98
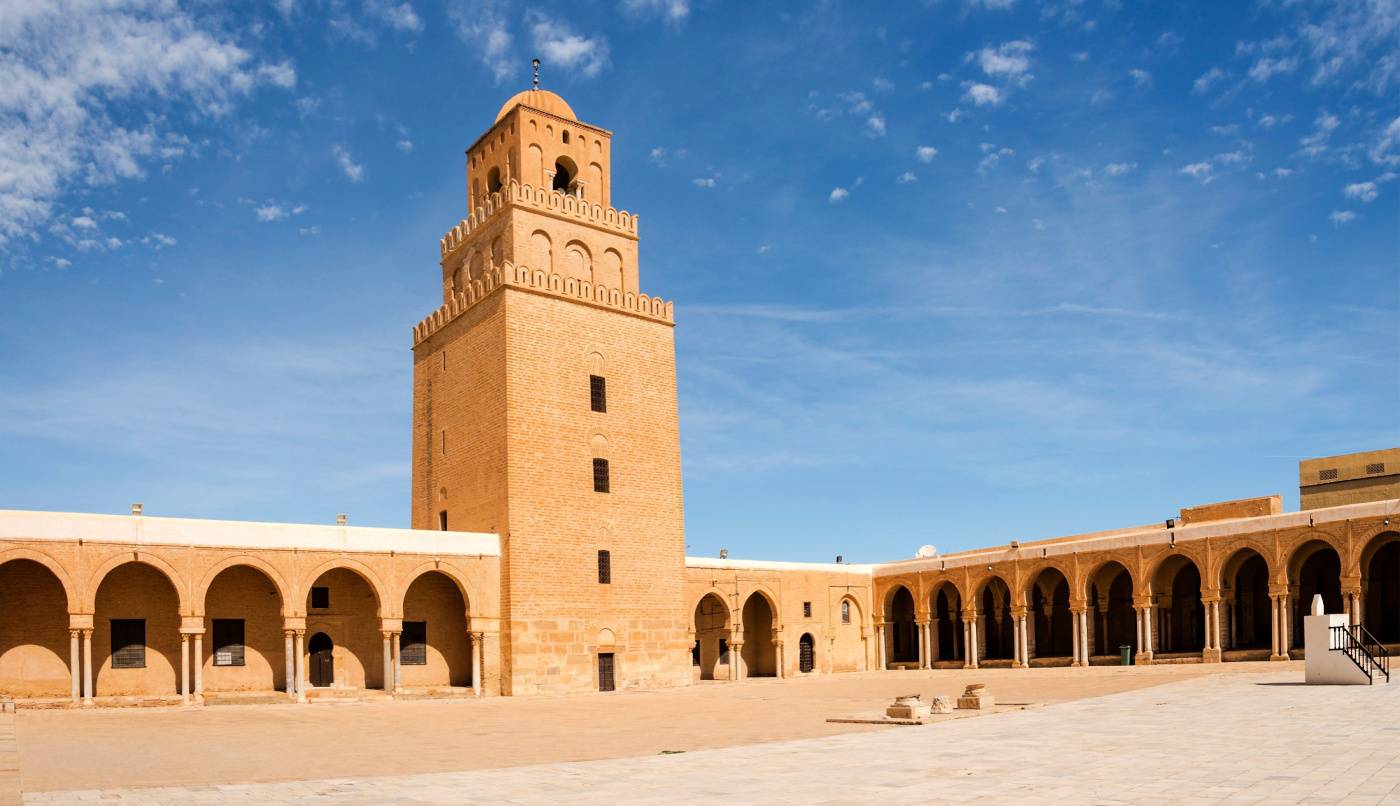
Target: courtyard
1188, 733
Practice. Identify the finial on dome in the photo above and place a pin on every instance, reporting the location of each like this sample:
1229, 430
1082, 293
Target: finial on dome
537, 73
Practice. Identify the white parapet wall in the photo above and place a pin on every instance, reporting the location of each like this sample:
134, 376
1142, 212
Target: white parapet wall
1326, 664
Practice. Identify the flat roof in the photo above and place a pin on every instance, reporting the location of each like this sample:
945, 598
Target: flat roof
142, 530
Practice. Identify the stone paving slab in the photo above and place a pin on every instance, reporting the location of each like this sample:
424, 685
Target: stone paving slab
1224, 739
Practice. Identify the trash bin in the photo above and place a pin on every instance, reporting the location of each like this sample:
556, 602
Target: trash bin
1125, 655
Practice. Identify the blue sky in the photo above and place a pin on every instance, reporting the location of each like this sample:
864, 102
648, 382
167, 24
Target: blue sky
953, 273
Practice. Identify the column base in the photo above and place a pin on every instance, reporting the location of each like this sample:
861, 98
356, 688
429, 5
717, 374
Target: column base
1142, 659
88, 703
1279, 657
1210, 656
1076, 663
1015, 664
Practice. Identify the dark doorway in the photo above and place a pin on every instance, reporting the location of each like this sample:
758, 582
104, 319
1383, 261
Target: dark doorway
322, 652
1381, 611
904, 633
805, 654
1253, 611
605, 671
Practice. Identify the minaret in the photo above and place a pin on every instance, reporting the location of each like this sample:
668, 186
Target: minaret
545, 411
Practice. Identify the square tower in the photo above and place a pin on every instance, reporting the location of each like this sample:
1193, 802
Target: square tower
545, 411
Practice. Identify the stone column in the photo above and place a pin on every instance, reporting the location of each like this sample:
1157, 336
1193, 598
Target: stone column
778, 656
1015, 641
301, 665
398, 666
476, 663
1025, 643
75, 664
935, 634
1286, 625
388, 663
1273, 628
291, 679
1074, 636
87, 667
1138, 620
1147, 632
199, 667
967, 643
736, 659
974, 650
880, 646
1084, 654
185, 668
925, 653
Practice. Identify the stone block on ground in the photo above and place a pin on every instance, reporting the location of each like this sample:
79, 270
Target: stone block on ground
976, 697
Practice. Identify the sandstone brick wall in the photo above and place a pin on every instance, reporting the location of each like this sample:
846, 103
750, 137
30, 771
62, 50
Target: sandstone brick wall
1245, 508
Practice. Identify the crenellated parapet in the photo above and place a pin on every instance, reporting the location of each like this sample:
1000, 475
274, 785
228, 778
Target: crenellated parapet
552, 284
550, 202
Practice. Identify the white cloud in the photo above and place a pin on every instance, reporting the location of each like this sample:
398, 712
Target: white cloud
876, 126
342, 156
400, 17
1034, 165
993, 159
906, 177
839, 194
1283, 173
1340, 217
1142, 78
1038, 223
1010, 60
1270, 121
313, 230
1203, 171
1264, 68
994, 5
1118, 168
883, 84
481, 24
926, 153
559, 46
672, 10
115, 243
1203, 83
405, 145
279, 75
1384, 152
1365, 191
982, 94
955, 115
62, 263
306, 106
1225, 130
703, 183
1315, 144
84, 222
270, 212
658, 156
163, 240
65, 67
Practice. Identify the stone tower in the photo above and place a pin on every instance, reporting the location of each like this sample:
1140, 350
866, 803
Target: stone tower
545, 411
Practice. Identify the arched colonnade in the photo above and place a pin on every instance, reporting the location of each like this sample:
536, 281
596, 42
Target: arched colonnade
165, 622
740, 634
1239, 598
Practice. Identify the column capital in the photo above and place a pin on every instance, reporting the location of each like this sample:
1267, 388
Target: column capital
477, 637
80, 621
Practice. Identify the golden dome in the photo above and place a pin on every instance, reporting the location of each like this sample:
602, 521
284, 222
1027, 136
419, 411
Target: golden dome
543, 100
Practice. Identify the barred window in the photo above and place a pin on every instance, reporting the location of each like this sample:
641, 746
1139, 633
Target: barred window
1327, 475
845, 612
128, 643
413, 644
604, 567
228, 642
600, 476
320, 598
806, 610
598, 393
1373, 469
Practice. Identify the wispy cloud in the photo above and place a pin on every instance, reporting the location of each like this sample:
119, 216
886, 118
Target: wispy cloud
560, 46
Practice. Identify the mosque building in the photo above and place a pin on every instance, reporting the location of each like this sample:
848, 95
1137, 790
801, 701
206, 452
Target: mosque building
546, 552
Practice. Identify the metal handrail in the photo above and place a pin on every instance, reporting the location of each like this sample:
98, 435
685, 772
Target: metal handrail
1346, 640
1379, 654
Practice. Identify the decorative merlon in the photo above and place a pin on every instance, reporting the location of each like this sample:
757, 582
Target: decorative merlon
552, 284
552, 202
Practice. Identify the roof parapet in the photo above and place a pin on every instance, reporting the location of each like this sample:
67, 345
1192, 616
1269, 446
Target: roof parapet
553, 202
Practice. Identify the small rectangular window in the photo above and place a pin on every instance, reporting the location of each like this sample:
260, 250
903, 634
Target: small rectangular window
806, 610
1373, 469
604, 567
600, 476
598, 392
845, 612
444, 442
442, 520
723, 652
128, 643
228, 642
413, 644
1327, 475
320, 598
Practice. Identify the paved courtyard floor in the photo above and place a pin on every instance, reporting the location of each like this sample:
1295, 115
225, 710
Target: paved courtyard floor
1222, 734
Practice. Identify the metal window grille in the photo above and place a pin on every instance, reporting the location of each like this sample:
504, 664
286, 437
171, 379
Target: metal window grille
598, 393
806, 610
723, 651
1327, 475
321, 598
845, 612
604, 567
1378, 467
413, 644
128, 643
805, 655
605, 671
600, 476
228, 642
